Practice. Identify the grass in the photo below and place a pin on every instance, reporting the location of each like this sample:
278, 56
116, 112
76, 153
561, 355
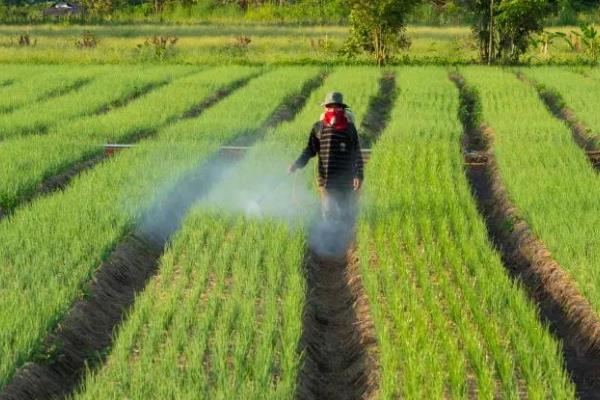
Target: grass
26, 162
217, 44
33, 86
439, 293
64, 245
112, 88
547, 176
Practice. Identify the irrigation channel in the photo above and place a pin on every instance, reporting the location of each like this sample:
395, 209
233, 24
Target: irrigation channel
61, 180
338, 340
581, 134
568, 314
82, 338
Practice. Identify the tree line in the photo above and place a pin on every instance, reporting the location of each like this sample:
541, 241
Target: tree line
503, 28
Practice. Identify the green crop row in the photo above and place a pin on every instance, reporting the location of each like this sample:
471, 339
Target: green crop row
578, 92
445, 312
226, 306
45, 83
113, 86
26, 162
546, 174
52, 245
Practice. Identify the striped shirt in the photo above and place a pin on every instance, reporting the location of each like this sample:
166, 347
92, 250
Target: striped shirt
340, 157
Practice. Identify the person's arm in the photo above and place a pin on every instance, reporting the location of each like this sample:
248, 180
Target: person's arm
358, 163
311, 150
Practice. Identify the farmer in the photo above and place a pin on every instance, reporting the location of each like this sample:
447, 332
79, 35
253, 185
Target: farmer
335, 139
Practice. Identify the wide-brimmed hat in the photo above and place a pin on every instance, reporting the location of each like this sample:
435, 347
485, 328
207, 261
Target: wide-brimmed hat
334, 98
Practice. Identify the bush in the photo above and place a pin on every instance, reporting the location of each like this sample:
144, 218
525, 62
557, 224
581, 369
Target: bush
378, 27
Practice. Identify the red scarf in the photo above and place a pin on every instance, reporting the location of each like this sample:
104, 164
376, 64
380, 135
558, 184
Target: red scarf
336, 117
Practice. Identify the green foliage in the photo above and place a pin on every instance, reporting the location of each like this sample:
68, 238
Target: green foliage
378, 27
504, 27
590, 41
158, 47
516, 21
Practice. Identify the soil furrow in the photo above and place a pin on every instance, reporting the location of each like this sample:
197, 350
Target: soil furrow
338, 342
6, 83
563, 308
83, 337
52, 94
136, 94
583, 136
284, 113
78, 84
62, 179
380, 108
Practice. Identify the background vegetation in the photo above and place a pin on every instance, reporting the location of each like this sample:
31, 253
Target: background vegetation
304, 31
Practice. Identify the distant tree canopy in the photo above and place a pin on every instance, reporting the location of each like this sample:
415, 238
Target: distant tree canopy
378, 26
504, 27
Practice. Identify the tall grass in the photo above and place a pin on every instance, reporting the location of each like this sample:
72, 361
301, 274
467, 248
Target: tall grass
439, 293
46, 83
26, 162
547, 176
578, 92
106, 91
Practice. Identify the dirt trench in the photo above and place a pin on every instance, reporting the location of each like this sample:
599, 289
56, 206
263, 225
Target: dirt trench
562, 307
338, 343
82, 339
380, 109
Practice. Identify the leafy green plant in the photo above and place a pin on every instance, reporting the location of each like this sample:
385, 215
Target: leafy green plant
25, 40
503, 28
378, 27
161, 47
544, 40
588, 40
88, 40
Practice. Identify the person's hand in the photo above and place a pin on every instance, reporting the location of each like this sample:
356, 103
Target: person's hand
292, 168
356, 184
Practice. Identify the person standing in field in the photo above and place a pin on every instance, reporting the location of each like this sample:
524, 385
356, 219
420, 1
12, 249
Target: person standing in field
334, 139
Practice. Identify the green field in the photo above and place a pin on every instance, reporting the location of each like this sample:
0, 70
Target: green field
241, 303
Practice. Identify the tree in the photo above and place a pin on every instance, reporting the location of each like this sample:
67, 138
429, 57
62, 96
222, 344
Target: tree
504, 27
378, 26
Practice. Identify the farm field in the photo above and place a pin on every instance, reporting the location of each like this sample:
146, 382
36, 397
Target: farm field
237, 288
544, 170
